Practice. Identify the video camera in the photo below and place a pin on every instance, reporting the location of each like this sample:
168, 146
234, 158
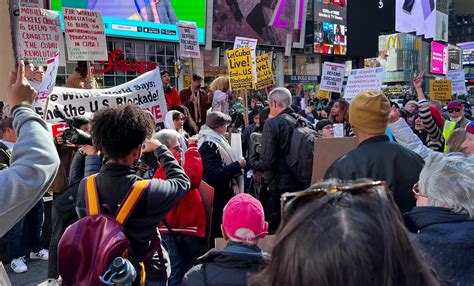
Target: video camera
73, 135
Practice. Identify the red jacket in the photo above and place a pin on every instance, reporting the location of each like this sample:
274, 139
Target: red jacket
172, 98
188, 216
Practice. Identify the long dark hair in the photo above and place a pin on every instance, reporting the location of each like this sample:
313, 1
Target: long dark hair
344, 106
263, 117
345, 239
189, 125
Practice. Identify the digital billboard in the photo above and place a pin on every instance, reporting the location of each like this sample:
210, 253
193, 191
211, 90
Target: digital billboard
439, 58
252, 19
467, 53
330, 30
145, 19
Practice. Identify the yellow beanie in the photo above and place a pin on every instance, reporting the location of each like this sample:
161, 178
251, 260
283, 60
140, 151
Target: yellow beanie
369, 112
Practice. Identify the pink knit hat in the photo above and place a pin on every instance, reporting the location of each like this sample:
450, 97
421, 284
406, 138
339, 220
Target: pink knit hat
243, 218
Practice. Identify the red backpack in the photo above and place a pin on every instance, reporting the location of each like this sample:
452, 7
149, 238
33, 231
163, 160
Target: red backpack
88, 246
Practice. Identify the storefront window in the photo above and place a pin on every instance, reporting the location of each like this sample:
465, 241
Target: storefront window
148, 53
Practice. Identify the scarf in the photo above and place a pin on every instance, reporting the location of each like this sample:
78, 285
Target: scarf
225, 151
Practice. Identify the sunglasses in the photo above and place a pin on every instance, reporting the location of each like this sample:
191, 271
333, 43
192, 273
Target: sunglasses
451, 110
290, 202
416, 191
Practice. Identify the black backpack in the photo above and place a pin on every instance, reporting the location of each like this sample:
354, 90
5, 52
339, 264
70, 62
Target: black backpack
301, 156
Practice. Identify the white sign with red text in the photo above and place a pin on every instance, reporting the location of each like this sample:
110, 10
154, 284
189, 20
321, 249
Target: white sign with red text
85, 35
40, 34
146, 91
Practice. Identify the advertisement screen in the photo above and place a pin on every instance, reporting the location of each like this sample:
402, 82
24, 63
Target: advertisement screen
145, 19
330, 30
439, 58
467, 53
251, 19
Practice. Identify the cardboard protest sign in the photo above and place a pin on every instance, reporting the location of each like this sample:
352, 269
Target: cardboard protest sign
239, 64
49, 81
332, 77
207, 195
40, 34
458, 81
242, 42
440, 90
264, 72
85, 36
328, 150
4, 280
368, 79
188, 40
324, 94
145, 91
7, 48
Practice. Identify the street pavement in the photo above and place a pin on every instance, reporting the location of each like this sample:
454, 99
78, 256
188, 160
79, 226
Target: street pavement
36, 274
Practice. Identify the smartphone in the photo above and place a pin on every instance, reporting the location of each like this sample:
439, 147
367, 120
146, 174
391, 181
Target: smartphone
408, 6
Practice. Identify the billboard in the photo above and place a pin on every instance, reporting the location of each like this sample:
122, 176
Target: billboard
145, 19
439, 58
467, 53
330, 30
455, 57
425, 17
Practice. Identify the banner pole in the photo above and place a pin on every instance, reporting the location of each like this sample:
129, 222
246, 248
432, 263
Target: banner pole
246, 110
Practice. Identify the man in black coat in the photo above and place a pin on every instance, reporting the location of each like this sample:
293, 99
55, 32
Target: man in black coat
376, 157
276, 140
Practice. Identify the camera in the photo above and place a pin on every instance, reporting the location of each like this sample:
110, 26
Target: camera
73, 135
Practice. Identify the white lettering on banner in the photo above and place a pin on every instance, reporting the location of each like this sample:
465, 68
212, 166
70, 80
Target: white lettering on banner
242, 42
332, 77
369, 79
458, 81
85, 35
188, 40
146, 91
40, 34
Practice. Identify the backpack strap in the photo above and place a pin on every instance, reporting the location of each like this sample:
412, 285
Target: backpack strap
92, 198
131, 200
291, 120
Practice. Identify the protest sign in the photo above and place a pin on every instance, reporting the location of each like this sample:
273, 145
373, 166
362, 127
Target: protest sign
264, 72
239, 64
440, 90
328, 150
32, 3
188, 40
458, 81
332, 77
40, 34
49, 81
146, 91
368, 79
7, 48
242, 42
324, 94
85, 36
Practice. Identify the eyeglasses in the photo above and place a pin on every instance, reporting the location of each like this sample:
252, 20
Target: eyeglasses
289, 202
416, 191
451, 110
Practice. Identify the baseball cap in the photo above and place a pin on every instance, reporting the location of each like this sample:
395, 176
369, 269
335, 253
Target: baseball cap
454, 104
243, 218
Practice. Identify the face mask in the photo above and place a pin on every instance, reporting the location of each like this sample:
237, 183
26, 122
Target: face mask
455, 119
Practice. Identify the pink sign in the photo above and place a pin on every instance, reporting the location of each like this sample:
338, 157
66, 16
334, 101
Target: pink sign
439, 58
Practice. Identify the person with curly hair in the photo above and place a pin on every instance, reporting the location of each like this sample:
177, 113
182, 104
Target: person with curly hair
122, 133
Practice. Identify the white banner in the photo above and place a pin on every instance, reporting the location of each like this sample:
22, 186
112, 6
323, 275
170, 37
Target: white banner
188, 40
145, 91
242, 42
40, 34
332, 77
458, 81
85, 36
368, 79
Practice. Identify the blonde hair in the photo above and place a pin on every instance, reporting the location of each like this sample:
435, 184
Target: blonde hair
221, 83
455, 141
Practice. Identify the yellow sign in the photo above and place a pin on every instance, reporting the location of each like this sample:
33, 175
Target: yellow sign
239, 64
440, 90
324, 94
264, 72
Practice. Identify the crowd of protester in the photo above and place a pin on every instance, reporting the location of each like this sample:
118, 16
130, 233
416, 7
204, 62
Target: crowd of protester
396, 210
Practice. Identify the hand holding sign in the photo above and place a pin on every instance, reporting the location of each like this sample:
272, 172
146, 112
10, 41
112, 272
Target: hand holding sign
20, 91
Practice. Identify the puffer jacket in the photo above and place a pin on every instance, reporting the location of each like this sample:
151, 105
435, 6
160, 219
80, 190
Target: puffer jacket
231, 266
276, 140
447, 240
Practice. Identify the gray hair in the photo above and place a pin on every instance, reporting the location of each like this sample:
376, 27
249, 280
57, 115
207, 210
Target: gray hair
448, 181
166, 135
281, 96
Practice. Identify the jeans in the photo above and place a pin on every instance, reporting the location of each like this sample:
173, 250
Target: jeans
35, 219
183, 254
